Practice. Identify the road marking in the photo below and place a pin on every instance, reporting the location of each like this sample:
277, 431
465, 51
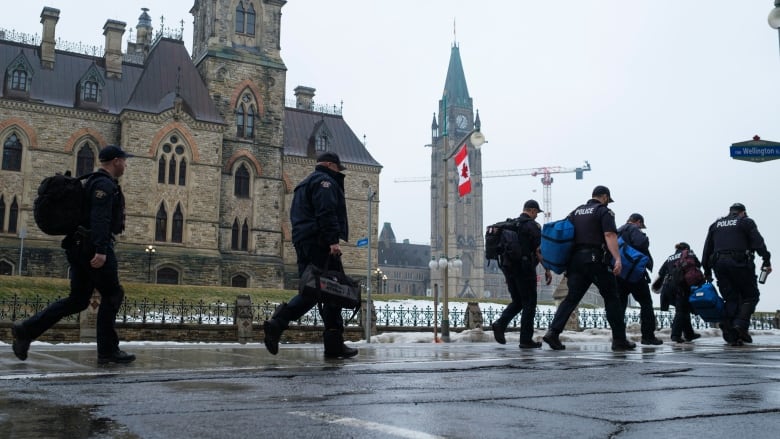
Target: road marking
367, 425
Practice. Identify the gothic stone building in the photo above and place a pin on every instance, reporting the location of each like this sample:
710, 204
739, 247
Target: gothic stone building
217, 151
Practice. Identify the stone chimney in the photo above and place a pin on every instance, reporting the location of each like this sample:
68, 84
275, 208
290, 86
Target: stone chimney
49, 19
113, 30
304, 97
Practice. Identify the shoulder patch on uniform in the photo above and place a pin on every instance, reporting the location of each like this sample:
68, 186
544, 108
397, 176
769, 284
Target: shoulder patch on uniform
100, 194
325, 184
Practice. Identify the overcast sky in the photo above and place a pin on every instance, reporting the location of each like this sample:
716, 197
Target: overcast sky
651, 93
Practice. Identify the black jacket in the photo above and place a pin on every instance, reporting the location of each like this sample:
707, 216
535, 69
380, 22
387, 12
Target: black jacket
106, 210
634, 236
733, 233
319, 209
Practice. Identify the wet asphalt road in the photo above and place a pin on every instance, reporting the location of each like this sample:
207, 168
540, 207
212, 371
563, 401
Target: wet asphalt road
457, 390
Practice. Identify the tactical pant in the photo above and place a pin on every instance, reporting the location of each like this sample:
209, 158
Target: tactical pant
584, 270
310, 252
522, 289
681, 324
641, 292
739, 288
83, 280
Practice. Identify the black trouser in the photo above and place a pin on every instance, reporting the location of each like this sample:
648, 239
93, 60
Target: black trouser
584, 270
739, 289
681, 324
641, 292
83, 280
309, 252
522, 289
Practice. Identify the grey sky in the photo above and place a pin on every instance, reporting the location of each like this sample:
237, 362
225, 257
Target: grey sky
651, 93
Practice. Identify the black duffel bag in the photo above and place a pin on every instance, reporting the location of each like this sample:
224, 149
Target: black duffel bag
330, 286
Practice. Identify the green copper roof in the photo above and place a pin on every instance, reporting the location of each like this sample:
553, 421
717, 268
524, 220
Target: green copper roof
455, 86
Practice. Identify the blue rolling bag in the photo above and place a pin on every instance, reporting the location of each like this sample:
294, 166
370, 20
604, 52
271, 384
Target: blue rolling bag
706, 302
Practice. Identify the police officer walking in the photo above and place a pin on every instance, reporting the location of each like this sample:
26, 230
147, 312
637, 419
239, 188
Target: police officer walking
93, 264
675, 290
595, 240
729, 250
319, 219
632, 235
519, 268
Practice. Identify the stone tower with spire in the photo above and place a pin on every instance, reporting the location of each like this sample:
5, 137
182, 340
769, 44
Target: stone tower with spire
449, 131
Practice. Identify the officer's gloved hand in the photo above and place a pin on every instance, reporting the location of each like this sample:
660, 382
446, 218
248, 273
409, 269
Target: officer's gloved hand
708, 275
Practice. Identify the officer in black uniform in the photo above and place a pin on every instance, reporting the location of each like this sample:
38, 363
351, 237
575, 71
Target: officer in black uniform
632, 235
93, 264
677, 293
729, 250
595, 239
319, 219
519, 268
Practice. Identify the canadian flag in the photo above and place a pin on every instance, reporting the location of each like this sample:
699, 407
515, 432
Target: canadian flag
464, 178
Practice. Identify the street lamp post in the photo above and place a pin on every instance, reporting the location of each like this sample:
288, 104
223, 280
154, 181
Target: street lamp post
150, 250
379, 277
477, 140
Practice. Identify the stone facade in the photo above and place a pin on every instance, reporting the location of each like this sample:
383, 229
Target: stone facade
203, 129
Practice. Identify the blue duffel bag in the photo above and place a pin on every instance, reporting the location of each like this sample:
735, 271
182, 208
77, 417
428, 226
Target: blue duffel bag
706, 302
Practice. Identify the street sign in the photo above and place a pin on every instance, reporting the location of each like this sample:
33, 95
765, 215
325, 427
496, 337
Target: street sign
755, 150
362, 242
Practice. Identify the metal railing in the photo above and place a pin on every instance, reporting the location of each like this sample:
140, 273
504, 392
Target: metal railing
191, 312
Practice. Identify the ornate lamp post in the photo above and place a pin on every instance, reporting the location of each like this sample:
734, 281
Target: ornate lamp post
379, 276
150, 250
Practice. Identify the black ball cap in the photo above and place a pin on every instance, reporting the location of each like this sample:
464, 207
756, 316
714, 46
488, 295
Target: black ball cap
602, 190
112, 152
532, 204
737, 207
331, 157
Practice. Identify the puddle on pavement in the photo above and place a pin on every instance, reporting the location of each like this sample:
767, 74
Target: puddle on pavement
35, 419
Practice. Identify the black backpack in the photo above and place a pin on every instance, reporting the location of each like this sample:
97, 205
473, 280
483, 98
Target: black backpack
59, 207
504, 242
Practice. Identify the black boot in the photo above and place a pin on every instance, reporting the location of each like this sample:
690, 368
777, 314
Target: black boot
498, 332
21, 342
334, 345
272, 329
623, 344
551, 338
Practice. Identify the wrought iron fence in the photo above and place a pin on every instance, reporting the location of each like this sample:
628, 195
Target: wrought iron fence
190, 312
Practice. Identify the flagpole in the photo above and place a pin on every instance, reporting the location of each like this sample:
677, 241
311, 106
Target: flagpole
477, 139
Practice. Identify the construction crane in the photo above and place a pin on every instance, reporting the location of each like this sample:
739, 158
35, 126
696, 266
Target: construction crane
545, 171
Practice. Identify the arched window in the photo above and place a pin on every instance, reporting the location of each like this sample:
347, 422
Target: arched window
250, 20
6, 269
172, 152
90, 91
245, 116
2, 213
160, 224
240, 116
177, 228
85, 160
172, 171
241, 186
19, 80
249, 131
161, 170
240, 17
13, 216
239, 281
244, 236
12, 154
167, 276
183, 172
234, 235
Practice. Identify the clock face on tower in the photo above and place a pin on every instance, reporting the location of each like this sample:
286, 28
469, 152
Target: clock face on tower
461, 121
